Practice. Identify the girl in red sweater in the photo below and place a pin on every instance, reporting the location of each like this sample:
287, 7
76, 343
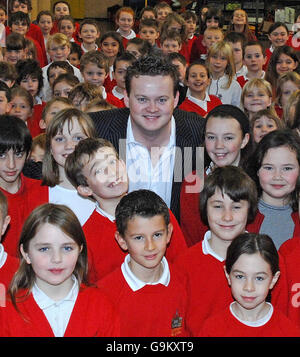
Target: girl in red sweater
49, 295
197, 99
226, 141
228, 200
252, 269
275, 167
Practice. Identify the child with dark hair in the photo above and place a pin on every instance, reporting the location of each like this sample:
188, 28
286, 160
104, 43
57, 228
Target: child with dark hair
89, 33
63, 85
138, 47
45, 20
145, 278
75, 54
15, 146
252, 270
227, 202
106, 187
5, 98
15, 49
275, 167
116, 96
19, 22
8, 73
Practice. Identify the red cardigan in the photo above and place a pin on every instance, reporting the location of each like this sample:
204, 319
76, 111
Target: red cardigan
20, 205
290, 251
190, 106
224, 324
152, 310
254, 226
8, 270
93, 315
104, 252
119, 103
207, 285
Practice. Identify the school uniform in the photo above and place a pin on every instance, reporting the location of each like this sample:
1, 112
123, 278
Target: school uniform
243, 79
81, 206
18, 209
109, 82
105, 254
185, 51
8, 267
191, 224
115, 98
231, 95
201, 107
190, 42
290, 251
125, 39
227, 324
84, 312
84, 50
155, 309
207, 285
255, 226
33, 122
75, 34
198, 49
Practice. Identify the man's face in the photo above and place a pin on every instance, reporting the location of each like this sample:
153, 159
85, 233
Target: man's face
151, 102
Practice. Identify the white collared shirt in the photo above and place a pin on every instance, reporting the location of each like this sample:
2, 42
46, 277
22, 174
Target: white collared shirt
256, 323
131, 34
135, 283
85, 50
59, 312
241, 72
141, 173
104, 214
206, 248
201, 103
3, 256
117, 94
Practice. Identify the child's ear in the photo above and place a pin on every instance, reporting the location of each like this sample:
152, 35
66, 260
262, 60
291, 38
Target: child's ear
121, 241
275, 279
126, 99
227, 275
84, 191
5, 224
170, 232
25, 255
42, 124
245, 140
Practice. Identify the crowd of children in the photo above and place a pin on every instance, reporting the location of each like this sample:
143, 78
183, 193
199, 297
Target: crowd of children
81, 255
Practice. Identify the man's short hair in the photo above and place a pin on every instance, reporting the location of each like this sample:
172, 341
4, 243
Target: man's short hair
141, 203
151, 66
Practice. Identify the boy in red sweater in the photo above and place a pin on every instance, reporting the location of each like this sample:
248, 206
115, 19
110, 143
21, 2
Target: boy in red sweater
15, 146
8, 264
227, 201
145, 278
96, 170
116, 96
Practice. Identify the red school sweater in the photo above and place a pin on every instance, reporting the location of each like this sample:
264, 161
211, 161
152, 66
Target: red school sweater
290, 251
119, 103
152, 311
224, 324
8, 270
208, 290
93, 315
104, 252
190, 106
20, 205
191, 223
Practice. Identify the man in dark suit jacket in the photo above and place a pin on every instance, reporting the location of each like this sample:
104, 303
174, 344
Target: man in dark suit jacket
151, 98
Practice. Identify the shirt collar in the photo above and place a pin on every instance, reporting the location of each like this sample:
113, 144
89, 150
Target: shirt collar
3, 256
116, 93
137, 284
104, 214
44, 301
195, 100
206, 248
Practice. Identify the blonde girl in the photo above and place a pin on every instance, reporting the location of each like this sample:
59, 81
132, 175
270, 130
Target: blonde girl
287, 84
63, 133
53, 268
220, 63
257, 95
